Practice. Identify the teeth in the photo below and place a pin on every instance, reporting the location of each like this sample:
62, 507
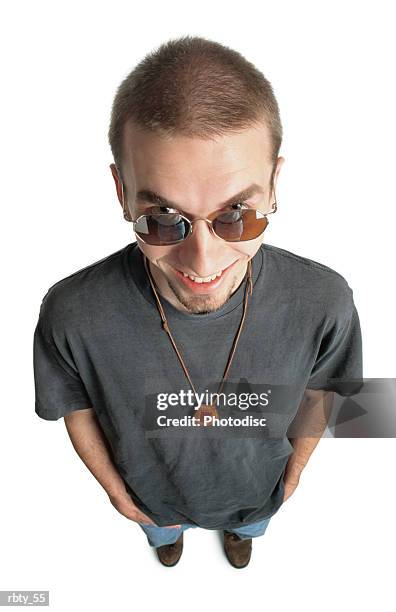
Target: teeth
205, 279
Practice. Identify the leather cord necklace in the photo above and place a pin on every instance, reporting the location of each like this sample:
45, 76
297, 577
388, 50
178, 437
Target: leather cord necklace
205, 409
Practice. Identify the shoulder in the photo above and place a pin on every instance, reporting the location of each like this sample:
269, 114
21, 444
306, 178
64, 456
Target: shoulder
81, 292
310, 281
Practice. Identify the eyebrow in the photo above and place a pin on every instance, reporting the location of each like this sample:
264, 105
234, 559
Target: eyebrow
150, 197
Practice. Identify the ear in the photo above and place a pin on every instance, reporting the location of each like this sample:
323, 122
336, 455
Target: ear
279, 164
117, 181
120, 191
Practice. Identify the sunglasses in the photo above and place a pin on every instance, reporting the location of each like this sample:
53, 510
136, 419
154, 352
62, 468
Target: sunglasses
170, 226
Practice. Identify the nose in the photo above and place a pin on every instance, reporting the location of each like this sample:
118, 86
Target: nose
203, 251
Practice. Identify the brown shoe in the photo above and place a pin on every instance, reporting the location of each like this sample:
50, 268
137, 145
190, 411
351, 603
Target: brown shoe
238, 551
169, 554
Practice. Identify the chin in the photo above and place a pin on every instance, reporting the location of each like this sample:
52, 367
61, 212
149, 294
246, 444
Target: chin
202, 304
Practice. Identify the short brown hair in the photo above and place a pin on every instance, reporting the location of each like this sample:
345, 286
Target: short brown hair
198, 88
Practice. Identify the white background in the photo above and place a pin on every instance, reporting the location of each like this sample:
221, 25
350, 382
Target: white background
332, 68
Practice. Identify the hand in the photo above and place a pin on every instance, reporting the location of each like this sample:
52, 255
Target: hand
291, 480
289, 489
127, 508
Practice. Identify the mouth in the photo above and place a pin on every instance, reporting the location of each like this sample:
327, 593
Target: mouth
204, 285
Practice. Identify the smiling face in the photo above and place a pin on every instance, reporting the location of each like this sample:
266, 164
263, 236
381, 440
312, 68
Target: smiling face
198, 177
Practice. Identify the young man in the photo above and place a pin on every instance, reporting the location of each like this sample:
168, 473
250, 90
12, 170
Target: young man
196, 302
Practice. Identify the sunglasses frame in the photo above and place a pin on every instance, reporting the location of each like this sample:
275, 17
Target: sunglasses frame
191, 222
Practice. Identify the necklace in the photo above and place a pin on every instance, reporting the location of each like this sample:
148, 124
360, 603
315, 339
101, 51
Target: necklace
205, 410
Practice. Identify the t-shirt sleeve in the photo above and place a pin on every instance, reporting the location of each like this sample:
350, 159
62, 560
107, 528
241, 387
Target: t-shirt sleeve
59, 389
339, 363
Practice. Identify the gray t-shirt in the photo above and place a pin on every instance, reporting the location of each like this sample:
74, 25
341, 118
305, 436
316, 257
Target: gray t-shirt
99, 342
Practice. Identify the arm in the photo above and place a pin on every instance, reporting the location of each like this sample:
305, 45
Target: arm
92, 447
308, 427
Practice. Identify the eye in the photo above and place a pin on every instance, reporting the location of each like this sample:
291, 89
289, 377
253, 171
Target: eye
239, 205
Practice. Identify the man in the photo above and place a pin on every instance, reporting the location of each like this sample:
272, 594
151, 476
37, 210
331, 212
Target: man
195, 133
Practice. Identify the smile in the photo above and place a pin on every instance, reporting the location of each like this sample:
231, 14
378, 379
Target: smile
206, 282
205, 279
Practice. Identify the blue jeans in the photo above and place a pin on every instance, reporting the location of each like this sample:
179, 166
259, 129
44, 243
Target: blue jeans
158, 536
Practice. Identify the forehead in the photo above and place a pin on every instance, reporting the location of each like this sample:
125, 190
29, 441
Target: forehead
196, 174
151, 154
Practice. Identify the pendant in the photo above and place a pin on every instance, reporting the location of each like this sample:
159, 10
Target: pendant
206, 410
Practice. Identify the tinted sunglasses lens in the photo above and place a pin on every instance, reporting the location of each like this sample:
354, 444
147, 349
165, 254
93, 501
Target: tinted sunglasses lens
162, 229
239, 225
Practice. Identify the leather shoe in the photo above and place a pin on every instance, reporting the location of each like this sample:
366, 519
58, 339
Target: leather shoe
238, 551
169, 554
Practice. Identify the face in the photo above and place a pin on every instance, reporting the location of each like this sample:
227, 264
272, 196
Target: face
198, 176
